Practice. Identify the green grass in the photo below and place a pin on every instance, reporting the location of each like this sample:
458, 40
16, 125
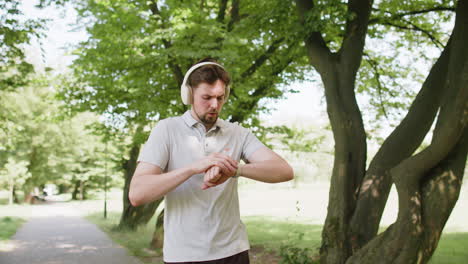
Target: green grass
274, 233
453, 248
136, 242
271, 234
8, 226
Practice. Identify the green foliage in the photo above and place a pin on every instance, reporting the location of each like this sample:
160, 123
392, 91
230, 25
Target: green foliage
295, 255
39, 144
15, 31
328, 17
415, 22
14, 173
131, 67
295, 139
404, 38
30, 131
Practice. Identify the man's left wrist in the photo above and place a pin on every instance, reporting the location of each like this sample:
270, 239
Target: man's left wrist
238, 171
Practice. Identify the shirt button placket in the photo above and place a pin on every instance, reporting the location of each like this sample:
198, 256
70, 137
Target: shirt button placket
205, 145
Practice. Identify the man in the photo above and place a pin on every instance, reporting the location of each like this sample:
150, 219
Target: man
193, 160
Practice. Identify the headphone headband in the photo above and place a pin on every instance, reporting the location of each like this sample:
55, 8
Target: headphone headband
186, 90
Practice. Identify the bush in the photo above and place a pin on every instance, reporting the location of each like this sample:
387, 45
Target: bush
296, 255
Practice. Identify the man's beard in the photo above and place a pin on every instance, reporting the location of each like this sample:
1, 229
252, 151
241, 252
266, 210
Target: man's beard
208, 120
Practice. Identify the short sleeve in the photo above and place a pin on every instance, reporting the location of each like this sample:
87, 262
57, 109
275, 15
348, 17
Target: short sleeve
156, 148
251, 144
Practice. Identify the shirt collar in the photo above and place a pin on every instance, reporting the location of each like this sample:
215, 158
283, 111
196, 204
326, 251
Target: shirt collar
190, 121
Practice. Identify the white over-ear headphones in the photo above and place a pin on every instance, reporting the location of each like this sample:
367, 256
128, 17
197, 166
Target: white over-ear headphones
186, 90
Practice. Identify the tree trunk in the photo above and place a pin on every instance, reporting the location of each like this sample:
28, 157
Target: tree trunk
425, 182
132, 216
399, 145
440, 193
348, 167
158, 235
76, 190
12, 197
82, 190
429, 182
15, 196
423, 214
11, 194
338, 72
62, 188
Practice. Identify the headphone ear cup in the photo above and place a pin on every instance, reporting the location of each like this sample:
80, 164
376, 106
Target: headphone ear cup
186, 94
189, 94
226, 96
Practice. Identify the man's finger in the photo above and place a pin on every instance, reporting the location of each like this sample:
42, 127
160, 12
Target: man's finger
228, 159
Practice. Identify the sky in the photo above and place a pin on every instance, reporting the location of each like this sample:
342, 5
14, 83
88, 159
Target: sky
54, 51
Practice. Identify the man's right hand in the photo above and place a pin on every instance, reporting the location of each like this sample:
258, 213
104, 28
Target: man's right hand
223, 161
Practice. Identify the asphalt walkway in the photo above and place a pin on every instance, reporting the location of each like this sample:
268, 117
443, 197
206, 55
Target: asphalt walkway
65, 238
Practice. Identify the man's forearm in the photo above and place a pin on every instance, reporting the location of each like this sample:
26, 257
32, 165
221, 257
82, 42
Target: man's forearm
270, 171
151, 187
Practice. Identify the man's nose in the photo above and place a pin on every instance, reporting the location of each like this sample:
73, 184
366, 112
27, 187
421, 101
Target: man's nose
214, 103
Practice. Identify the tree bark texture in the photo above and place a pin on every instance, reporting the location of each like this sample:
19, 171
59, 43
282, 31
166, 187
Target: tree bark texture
399, 145
429, 182
158, 235
82, 190
76, 188
425, 182
11, 194
338, 72
132, 216
12, 197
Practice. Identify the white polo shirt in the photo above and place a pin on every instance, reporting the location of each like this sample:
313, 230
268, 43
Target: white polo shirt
200, 225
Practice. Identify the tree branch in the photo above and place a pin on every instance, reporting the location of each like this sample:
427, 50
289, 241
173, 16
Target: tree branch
399, 145
378, 20
262, 58
374, 65
320, 55
234, 15
221, 11
260, 92
356, 29
414, 27
179, 77
452, 118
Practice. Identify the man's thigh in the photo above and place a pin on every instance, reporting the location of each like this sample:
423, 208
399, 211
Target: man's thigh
241, 258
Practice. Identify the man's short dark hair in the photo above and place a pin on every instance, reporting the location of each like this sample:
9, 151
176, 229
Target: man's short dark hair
208, 74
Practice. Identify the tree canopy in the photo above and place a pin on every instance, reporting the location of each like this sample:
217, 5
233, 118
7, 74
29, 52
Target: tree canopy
15, 31
130, 69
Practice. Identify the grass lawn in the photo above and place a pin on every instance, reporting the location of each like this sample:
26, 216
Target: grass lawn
136, 242
8, 227
453, 248
267, 236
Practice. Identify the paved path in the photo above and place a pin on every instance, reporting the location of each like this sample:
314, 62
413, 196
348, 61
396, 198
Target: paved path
63, 237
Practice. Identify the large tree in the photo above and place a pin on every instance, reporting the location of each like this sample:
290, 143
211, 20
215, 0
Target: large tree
132, 66
428, 182
138, 49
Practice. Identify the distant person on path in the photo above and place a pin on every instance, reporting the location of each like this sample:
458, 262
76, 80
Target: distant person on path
193, 160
